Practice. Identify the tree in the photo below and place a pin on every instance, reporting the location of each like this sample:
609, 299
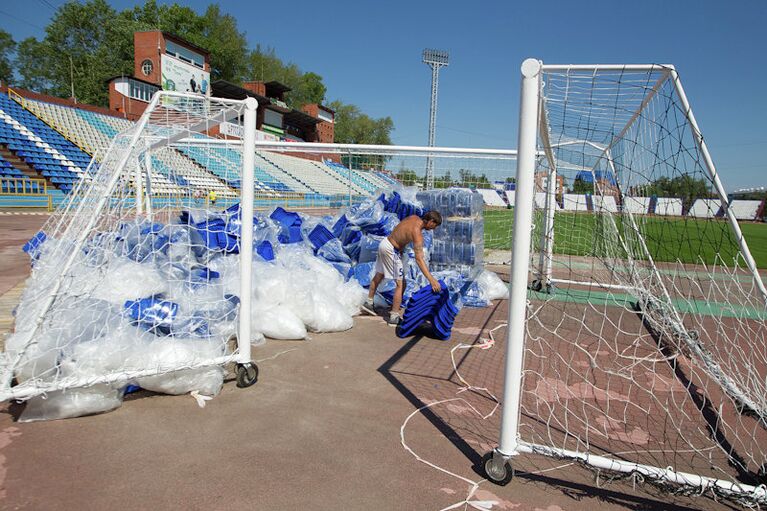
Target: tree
468, 179
407, 177
265, 65
228, 46
30, 62
354, 127
7, 47
310, 89
444, 181
685, 187
83, 45
582, 186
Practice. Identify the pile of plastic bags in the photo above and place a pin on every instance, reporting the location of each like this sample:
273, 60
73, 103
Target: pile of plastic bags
154, 297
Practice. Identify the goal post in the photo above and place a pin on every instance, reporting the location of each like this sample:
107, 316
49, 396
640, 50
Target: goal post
637, 335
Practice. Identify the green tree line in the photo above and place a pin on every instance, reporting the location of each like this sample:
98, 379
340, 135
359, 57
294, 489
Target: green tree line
465, 179
684, 186
87, 43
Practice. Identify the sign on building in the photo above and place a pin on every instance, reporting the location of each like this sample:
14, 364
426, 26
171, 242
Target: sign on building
183, 77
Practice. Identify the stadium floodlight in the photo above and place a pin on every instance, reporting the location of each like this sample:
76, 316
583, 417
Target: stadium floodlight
434, 59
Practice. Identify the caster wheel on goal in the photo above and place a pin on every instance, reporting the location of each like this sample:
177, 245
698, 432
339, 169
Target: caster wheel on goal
761, 475
536, 285
497, 469
247, 374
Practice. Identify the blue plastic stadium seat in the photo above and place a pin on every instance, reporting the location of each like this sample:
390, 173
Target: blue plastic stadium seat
320, 235
424, 305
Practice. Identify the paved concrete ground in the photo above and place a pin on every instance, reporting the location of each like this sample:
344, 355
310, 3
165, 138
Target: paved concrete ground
320, 430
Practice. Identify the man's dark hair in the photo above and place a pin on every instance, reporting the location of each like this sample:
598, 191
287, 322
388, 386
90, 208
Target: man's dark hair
432, 216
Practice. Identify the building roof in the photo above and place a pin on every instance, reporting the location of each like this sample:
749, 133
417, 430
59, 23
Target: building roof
300, 119
326, 108
178, 39
111, 79
275, 88
224, 89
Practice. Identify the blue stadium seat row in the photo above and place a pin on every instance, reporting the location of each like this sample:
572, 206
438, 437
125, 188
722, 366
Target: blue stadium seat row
10, 172
97, 123
226, 166
164, 170
345, 173
61, 162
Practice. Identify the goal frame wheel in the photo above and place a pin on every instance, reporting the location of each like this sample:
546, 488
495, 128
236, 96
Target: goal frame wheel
247, 374
497, 468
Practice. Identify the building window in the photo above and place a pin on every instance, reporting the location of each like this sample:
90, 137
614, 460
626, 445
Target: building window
324, 115
147, 67
142, 91
273, 118
185, 54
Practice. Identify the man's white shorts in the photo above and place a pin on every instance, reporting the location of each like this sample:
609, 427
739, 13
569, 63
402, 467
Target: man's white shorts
389, 261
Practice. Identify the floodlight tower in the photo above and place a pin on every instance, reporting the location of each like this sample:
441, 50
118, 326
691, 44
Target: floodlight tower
435, 59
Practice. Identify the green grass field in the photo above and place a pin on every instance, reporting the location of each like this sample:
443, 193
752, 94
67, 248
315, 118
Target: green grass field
668, 239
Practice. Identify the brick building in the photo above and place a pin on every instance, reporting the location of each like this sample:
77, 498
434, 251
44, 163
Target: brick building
160, 61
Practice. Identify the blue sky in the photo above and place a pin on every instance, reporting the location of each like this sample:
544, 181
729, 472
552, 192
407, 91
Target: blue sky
369, 53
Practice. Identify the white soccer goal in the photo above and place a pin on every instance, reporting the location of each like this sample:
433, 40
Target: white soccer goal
642, 347
93, 318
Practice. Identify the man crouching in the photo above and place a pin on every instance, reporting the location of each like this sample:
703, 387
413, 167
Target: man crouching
389, 259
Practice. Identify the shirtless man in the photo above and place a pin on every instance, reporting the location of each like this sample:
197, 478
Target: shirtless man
389, 259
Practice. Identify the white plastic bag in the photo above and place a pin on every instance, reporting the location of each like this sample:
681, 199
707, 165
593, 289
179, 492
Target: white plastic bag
493, 286
278, 322
64, 404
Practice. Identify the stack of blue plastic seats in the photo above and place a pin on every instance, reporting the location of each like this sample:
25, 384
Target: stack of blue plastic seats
32, 247
426, 306
395, 204
459, 241
222, 232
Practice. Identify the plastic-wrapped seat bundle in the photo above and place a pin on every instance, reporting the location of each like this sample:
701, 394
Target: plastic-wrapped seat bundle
459, 241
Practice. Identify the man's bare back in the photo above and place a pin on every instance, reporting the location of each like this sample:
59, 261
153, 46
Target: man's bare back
407, 231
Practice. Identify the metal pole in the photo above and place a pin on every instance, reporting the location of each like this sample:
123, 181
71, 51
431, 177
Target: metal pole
148, 187
561, 68
711, 168
246, 230
700, 483
350, 179
139, 185
520, 256
547, 235
432, 124
358, 149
